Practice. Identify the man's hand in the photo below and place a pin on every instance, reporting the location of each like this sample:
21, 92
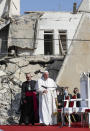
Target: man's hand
45, 91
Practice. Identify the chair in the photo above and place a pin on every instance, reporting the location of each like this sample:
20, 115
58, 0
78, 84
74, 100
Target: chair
74, 110
66, 103
61, 111
65, 113
59, 116
73, 103
86, 122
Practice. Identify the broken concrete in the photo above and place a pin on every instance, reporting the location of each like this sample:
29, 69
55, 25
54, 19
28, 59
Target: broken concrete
12, 74
23, 31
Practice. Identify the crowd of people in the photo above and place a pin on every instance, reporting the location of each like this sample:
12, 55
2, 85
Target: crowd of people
41, 99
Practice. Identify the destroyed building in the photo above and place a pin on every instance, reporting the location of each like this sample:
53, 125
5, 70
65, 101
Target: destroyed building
37, 33
48, 34
39, 40
45, 34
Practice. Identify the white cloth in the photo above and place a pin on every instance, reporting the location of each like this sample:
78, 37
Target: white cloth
47, 105
84, 92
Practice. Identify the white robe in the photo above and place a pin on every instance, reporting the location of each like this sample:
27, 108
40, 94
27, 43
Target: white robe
47, 105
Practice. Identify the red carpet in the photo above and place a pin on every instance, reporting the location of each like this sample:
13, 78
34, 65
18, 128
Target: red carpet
40, 128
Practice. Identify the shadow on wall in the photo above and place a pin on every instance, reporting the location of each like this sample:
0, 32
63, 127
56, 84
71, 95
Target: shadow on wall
13, 112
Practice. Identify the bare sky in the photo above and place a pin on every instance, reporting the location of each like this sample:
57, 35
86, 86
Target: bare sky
47, 5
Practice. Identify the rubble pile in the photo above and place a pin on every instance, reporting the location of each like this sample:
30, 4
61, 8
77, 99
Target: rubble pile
12, 74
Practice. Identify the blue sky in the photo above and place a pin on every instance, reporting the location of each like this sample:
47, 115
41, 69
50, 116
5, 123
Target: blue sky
47, 5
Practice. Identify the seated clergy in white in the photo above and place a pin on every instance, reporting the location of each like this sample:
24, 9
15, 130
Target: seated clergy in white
47, 100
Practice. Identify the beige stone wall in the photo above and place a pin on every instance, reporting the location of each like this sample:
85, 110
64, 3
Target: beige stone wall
12, 74
78, 57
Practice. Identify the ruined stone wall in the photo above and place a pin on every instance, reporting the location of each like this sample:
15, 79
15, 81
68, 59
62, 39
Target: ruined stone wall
12, 74
23, 32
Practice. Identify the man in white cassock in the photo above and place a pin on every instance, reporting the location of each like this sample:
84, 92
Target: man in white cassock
47, 100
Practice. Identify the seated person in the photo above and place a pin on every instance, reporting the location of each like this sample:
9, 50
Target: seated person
67, 95
76, 92
62, 94
76, 95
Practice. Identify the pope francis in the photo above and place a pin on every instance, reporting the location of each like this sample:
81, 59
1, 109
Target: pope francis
46, 87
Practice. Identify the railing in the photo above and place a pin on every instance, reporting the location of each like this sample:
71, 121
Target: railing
69, 110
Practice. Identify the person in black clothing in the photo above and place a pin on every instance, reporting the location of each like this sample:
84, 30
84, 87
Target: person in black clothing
78, 103
77, 94
66, 93
29, 108
59, 97
62, 94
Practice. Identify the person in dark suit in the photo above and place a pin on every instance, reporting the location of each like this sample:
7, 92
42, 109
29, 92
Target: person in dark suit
62, 94
60, 97
29, 107
77, 95
78, 103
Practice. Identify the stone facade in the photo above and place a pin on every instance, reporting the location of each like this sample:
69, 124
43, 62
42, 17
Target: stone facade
12, 74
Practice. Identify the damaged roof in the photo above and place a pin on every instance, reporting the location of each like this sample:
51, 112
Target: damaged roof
23, 31
3, 23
